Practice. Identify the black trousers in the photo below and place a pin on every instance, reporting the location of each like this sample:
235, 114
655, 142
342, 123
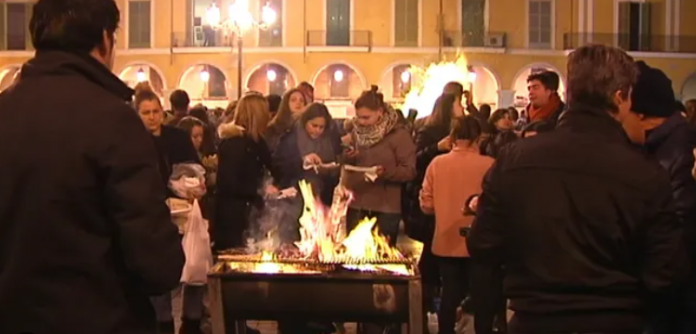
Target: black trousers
454, 272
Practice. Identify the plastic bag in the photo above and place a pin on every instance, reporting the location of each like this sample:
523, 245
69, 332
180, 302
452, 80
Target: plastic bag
188, 181
196, 244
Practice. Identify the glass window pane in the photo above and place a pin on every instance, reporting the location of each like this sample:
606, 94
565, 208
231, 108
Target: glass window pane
272, 35
139, 24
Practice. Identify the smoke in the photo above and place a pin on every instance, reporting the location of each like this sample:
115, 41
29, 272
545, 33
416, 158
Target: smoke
274, 225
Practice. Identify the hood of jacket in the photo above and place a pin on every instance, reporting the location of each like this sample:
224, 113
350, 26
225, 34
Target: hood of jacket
47, 63
230, 130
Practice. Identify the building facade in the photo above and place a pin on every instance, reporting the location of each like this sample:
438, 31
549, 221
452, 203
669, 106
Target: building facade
344, 46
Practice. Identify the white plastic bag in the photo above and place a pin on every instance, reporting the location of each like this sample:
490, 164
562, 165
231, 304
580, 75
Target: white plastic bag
196, 244
188, 180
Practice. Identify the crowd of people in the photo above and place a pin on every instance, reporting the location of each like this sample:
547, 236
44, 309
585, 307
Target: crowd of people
577, 217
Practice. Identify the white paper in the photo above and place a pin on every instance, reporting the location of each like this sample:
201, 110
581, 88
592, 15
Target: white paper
370, 172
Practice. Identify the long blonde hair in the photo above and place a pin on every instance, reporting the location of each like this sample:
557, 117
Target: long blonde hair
252, 114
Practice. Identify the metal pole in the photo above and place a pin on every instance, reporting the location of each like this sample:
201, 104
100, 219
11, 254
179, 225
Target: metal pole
240, 47
440, 31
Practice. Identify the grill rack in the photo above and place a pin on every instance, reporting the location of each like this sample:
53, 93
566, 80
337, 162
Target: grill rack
256, 258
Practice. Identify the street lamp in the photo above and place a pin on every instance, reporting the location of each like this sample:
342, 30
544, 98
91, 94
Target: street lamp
239, 20
405, 77
140, 75
271, 75
205, 75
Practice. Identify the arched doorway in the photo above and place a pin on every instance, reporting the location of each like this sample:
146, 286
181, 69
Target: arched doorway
137, 73
8, 75
270, 78
485, 86
338, 85
398, 80
520, 83
688, 91
206, 84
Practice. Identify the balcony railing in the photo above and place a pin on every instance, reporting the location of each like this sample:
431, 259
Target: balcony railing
631, 42
202, 38
461, 39
352, 38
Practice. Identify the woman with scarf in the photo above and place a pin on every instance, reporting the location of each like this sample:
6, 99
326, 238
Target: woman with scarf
378, 142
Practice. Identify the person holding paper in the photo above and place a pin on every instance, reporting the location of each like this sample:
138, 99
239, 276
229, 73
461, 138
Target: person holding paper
378, 142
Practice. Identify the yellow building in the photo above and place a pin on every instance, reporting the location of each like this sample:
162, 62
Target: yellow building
343, 46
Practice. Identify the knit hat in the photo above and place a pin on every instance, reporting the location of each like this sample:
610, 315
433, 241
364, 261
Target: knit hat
653, 95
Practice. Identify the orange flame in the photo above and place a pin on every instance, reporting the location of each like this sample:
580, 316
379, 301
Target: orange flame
321, 234
431, 82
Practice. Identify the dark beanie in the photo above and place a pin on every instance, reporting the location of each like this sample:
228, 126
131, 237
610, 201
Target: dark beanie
653, 95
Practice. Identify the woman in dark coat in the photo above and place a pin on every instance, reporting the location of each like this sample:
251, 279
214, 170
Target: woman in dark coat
502, 133
244, 160
311, 141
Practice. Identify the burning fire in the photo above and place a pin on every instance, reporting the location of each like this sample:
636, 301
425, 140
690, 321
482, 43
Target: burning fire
323, 238
321, 235
425, 91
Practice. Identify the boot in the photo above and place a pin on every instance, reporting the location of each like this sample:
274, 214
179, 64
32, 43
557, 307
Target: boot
190, 326
166, 327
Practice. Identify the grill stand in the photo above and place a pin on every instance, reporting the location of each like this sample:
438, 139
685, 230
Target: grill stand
225, 323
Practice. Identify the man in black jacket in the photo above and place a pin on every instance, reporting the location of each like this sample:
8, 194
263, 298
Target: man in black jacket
670, 141
85, 234
583, 224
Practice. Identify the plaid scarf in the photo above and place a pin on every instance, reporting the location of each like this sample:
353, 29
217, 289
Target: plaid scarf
367, 136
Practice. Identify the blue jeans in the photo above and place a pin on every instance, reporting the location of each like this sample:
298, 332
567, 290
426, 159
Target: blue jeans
192, 303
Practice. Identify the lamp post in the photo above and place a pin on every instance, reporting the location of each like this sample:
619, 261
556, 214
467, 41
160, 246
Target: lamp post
238, 22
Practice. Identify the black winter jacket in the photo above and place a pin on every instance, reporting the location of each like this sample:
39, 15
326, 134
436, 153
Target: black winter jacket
583, 224
671, 144
85, 234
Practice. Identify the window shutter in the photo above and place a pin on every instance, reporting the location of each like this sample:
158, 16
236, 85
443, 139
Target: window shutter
534, 22
133, 27
27, 18
624, 25
3, 31
139, 24
412, 22
400, 22
545, 23
145, 24
645, 26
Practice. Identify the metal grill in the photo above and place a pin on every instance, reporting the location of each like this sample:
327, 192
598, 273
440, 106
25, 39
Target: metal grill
257, 258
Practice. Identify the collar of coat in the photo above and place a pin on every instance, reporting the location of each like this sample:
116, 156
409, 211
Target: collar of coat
589, 119
53, 62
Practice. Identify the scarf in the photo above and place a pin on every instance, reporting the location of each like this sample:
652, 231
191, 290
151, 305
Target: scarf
367, 136
321, 146
546, 111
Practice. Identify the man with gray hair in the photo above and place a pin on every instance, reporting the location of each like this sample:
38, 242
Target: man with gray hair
582, 223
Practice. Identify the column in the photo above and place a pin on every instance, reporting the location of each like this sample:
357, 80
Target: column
506, 98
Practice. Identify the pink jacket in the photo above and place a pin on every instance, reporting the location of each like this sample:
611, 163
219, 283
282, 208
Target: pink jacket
449, 181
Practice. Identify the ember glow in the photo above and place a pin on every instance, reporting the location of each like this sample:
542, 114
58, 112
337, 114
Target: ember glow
431, 81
